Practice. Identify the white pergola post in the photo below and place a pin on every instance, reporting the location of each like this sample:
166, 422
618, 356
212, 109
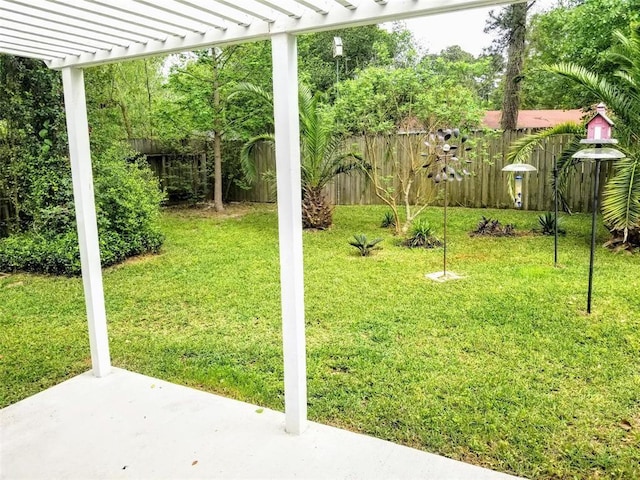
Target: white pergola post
287, 133
80, 153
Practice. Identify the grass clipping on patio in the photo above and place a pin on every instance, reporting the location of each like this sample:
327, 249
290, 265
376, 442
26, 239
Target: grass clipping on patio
501, 368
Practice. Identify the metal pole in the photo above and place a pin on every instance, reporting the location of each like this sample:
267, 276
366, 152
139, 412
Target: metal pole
446, 191
593, 233
444, 271
555, 202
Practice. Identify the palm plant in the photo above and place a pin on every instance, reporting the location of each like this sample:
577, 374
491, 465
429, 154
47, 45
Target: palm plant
364, 245
621, 196
321, 154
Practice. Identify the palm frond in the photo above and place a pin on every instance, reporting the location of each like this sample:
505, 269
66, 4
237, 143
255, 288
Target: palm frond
250, 88
627, 78
521, 149
565, 165
617, 100
247, 155
621, 203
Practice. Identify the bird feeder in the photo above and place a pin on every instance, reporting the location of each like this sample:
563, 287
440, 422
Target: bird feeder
519, 169
599, 133
337, 47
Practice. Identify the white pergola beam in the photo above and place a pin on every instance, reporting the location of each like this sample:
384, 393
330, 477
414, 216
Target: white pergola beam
82, 176
109, 15
39, 46
33, 24
193, 41
287, 134
39, 52
22, 52
44, 42
288, 7
65, 22
223, 11
175, 20
249, 7
368, 12
49, 36
319, 6
83, 17
371, 12
350, 4
187, 11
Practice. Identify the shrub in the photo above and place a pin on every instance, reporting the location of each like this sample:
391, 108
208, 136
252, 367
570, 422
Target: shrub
421, 235
548, 224
493, 228
33, 252
388, 220
127, 207
365, 246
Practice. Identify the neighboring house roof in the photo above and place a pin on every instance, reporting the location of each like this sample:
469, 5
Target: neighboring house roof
535, 118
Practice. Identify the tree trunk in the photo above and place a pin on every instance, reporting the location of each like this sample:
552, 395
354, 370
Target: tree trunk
149, 100
513, 75
217, 138
316, 209
217, 172
125, 119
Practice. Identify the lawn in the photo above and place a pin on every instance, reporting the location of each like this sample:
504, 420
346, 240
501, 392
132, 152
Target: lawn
502, 368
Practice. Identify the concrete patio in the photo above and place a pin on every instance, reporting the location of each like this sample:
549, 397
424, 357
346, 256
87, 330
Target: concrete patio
127, 425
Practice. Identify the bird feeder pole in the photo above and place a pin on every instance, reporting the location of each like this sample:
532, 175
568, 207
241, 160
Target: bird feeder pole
555, 208
337, 53
598, 134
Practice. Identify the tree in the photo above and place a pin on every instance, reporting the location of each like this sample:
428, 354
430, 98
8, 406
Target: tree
512, 23
32, 140
121, 100
578, 32
363, 46
621, 197
384, 99
454, 65
321, 155
198, 105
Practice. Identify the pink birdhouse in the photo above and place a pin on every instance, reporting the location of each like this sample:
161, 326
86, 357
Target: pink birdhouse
599, 127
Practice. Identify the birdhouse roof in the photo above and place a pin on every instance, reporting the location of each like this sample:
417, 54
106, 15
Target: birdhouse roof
607, 119
601, 112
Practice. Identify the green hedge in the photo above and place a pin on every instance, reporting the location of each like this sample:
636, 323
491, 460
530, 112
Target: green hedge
127, 205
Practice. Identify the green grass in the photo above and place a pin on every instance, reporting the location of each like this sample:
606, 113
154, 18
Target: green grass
502, 368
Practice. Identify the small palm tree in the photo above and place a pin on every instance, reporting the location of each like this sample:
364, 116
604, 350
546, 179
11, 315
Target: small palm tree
621, 196
320, 150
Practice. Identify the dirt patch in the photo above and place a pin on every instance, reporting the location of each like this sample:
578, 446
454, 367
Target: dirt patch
231, 210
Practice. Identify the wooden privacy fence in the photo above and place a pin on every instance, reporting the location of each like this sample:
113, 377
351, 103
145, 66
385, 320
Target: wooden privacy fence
183, 170
487, 187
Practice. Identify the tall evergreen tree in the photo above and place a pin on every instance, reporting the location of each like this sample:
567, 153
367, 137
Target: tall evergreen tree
511, 24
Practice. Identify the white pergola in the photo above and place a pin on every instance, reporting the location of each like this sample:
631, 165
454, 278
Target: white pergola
70, 35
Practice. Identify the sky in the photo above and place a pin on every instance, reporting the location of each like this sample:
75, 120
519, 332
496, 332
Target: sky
465, 28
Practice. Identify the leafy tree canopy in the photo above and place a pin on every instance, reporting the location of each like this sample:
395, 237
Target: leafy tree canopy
363, 47
578, 32
383, 99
